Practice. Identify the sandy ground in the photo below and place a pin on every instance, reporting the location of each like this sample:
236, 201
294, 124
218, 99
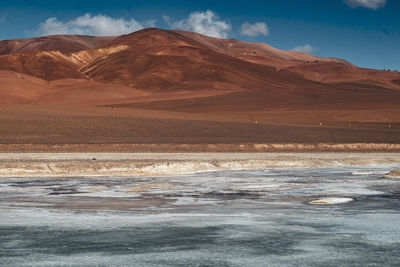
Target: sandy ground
136, 164
198, 148
66, 129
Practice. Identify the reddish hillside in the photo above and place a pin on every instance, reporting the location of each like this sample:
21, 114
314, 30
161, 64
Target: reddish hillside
62, 43
171, 62
48, 66
259, 53
336, 73
188, 72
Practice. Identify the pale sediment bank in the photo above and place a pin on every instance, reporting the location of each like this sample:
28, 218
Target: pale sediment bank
395, 174
153, 164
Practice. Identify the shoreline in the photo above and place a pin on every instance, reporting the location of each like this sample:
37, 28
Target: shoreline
202, 147
27, 165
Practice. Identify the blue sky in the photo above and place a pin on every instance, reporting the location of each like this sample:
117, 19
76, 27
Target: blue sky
365, 32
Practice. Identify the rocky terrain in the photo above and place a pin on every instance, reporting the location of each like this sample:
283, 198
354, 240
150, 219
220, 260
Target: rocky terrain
161, 86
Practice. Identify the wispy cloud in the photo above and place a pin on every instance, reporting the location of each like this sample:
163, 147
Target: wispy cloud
100, 25
3, 18
304, 48
207, 23
253, 30
372, 4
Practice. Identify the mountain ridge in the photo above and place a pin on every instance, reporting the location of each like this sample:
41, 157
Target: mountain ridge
147, 66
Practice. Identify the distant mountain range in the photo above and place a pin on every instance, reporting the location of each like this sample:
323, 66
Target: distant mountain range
184, 71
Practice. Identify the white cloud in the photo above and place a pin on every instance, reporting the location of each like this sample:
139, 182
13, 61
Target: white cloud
99, 25
207, 23
256, 29
304, 48
372, 4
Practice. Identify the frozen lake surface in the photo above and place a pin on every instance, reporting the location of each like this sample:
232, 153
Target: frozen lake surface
297, 217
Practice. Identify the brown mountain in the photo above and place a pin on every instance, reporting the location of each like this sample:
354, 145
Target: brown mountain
61, 43
192, 76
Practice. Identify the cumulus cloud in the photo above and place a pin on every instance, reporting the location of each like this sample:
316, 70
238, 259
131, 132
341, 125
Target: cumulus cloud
100, 25
207, 23
253, 30
372, 4
304, 48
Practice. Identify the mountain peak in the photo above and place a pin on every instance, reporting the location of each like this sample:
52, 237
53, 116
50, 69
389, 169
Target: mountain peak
161, 63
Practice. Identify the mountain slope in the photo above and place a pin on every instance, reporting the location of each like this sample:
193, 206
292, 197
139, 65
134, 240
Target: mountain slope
48, 65
184, 71
158, 60
62, 43
259, 53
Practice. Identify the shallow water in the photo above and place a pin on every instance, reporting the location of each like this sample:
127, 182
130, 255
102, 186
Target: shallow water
254, 218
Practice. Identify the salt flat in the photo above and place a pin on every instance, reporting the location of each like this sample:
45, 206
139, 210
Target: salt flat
334, 216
